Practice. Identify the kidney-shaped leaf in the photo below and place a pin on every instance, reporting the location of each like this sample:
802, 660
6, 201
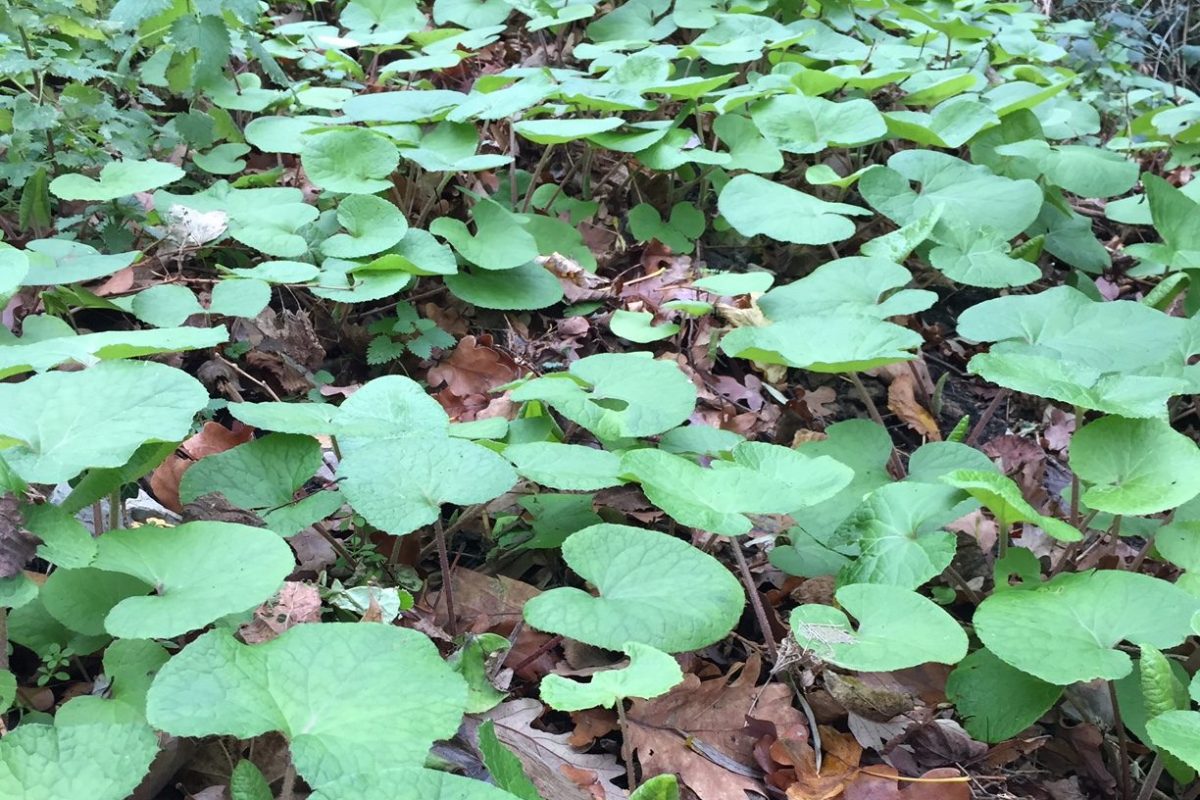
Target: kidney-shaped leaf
568, 467
1135, 466
650, 673
996, 701
654, 589
617, 395
797, 123
1177, 732
100, 755
399, 485
754, 205
297, 684
117, 179
199, 571
897, 629
351, 160
66, 422
825, 343
1065, 630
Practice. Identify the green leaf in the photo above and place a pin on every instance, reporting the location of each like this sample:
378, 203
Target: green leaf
1001, 495
504, 767
1064, 630
117, 179
638, 326
797, 123
848, 286
660, 787
500, 242
897, 531
77, 756
654, 589
650, 673
1135, 466
559, 131
247, 783
350, 160
65, 541
58, 261
130, 666
218, 686
400, 485
981, 257
66, 422
8, 690
568, 467
754, 205
46, 353
529, 287
165, 305
224, 159
761, 479
684, 227
372, 224
897, 629
748, 149
280, 463
616, 395
995, 701
472, 662
825, 343
1178, 733
35, 203
199, 571
240, 297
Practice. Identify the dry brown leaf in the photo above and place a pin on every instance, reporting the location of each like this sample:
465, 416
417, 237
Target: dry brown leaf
932, 787
473, 367
878, 784
17, 545
903, 402
590, 725
296, 603
714, 713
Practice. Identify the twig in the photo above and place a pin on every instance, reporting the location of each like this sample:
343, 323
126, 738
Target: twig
533, 179
545, 647
3, 637
337, 545
988, 413
626, 749
97, 519
760, 613
288, 790
1151, 780
1123, 743
270, 392
447, 585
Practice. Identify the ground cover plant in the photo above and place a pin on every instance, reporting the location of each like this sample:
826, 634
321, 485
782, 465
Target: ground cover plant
653, 399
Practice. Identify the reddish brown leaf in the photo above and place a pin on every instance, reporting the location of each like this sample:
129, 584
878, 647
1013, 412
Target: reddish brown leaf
296, 603
903, 402
212, 438
17, 545
474, 368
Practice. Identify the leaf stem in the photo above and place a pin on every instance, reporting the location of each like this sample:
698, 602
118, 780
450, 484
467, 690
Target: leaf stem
760, 613
1151, 779
873, 411
114, 509
1002, 537
533, 179
439, 534
1122, 742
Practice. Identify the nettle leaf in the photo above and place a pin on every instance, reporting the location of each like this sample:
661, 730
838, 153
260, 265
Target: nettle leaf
567, 467
754, 205
897, 629
1064, 631
500, 242
650, 673
797, 123
654, 590
898, 532
218, 686
969, 193
94, 749
616, 395
1119, 357
1135, 466
58, 424
996, 701
372, 225
350, 160
1001, 496
117, 179
199, 572
761, 479
399, 485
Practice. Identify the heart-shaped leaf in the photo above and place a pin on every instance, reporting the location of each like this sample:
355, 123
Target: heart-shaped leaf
996, 701
569, 467
616, 395
1001, 495
797, 123
219, 686
1065, 630
897, 629
1178, 733
350, 160
500, 241
1135, 466
650, 673
654, 589
399, 485
117, 179
199, 572
372, 225
58, 424
754, 205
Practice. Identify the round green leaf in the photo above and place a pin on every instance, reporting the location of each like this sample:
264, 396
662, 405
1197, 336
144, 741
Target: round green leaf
199, 571
654, 589
650, 673
1135, 466
529, 287
797, 123
66, 422
568, 467
372, 224
1178, 733
897, 629
350, 160
558, 131
117, 179
616, 395
46, 353
825, 343
280, 463
400, 484
995, 701
754, 205
1064, 631
638, 326
218, 686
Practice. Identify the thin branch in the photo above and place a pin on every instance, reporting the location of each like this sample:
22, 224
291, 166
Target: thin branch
439, 534
760, 613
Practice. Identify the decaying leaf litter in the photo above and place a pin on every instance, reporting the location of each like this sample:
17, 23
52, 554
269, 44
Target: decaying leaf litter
650, 399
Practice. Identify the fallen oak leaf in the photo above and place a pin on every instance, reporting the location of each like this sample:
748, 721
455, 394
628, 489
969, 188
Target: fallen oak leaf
903, 403
474, 367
